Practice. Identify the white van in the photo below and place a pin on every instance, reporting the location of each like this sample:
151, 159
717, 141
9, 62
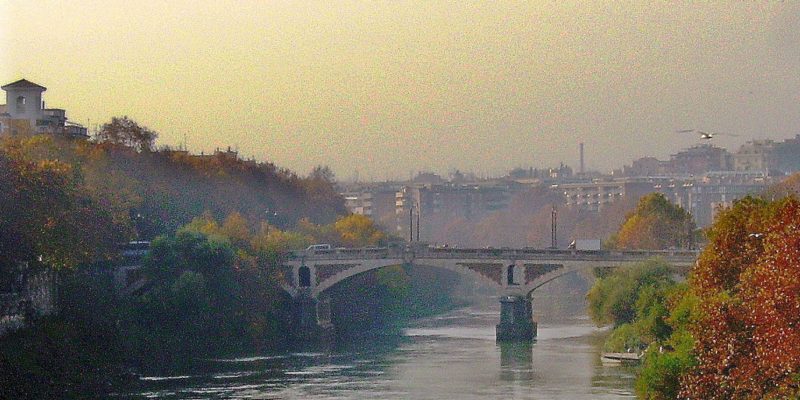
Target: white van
315, 247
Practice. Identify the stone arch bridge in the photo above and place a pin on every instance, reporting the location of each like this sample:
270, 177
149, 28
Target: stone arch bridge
516, 272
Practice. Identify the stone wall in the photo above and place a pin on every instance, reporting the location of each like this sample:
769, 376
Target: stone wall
11, 312
34, 297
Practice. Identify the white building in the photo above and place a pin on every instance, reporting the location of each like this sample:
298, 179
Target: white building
25, 112
755, 155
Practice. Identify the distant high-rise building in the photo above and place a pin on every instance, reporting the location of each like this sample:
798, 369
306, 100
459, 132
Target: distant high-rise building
436, 205
646, 166
755, 155
698, 160
593, 196
787, 155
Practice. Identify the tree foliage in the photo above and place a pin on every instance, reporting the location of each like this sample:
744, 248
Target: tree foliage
670, 358
158, 191
222, 280
48, 215
348, 231
218, 226
123, 131
652, 315
630, 293
656, 224
196, 293
748, 284
359, 230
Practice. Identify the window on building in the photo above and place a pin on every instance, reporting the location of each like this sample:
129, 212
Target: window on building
21, 104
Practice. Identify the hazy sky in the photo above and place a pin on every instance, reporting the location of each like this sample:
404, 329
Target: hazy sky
386, 88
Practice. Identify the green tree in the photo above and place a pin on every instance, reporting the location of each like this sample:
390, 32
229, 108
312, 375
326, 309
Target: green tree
669, 359
652, 314
629, 292
195, 293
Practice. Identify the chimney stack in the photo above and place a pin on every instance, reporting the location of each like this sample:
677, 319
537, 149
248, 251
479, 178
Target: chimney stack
582, 170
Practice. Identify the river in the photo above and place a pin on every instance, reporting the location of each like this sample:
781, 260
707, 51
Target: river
452, 356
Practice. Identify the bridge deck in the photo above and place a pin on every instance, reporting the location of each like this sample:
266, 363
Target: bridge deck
674, 256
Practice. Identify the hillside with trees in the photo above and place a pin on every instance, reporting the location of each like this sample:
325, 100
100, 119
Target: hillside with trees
153, 192
218, 226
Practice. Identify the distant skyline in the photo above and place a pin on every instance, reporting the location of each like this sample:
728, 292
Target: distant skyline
387, 88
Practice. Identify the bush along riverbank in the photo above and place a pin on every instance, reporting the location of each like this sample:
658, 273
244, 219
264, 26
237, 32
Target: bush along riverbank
649, 313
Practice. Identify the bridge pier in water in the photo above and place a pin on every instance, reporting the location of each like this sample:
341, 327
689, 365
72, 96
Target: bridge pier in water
312, 321
516, 320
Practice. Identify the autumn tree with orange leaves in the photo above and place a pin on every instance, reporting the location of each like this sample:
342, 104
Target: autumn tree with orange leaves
748, 284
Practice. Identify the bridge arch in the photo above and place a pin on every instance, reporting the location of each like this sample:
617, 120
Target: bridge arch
543, 282
378, 264
578, 266
357, 269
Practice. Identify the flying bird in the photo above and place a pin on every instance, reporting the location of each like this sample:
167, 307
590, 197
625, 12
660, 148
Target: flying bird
703, 134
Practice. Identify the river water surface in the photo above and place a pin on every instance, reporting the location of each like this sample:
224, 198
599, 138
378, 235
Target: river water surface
453, 356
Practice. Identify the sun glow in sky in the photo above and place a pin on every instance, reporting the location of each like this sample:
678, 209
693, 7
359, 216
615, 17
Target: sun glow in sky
386, 88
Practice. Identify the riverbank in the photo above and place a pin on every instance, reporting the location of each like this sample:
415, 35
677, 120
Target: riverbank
53, 358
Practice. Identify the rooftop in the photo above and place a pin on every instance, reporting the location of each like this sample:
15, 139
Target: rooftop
22, 83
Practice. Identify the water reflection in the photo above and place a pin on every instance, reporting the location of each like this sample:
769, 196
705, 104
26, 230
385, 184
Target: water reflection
516, 362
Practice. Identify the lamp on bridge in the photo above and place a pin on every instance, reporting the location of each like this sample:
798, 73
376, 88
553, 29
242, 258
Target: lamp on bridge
553, 228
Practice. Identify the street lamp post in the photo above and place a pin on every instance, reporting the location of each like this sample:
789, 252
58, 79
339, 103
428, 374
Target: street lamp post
418, 212
411, 224
554, 227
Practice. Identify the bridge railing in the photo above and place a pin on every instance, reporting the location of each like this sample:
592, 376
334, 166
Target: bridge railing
490, 253
347, 253
554, 253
